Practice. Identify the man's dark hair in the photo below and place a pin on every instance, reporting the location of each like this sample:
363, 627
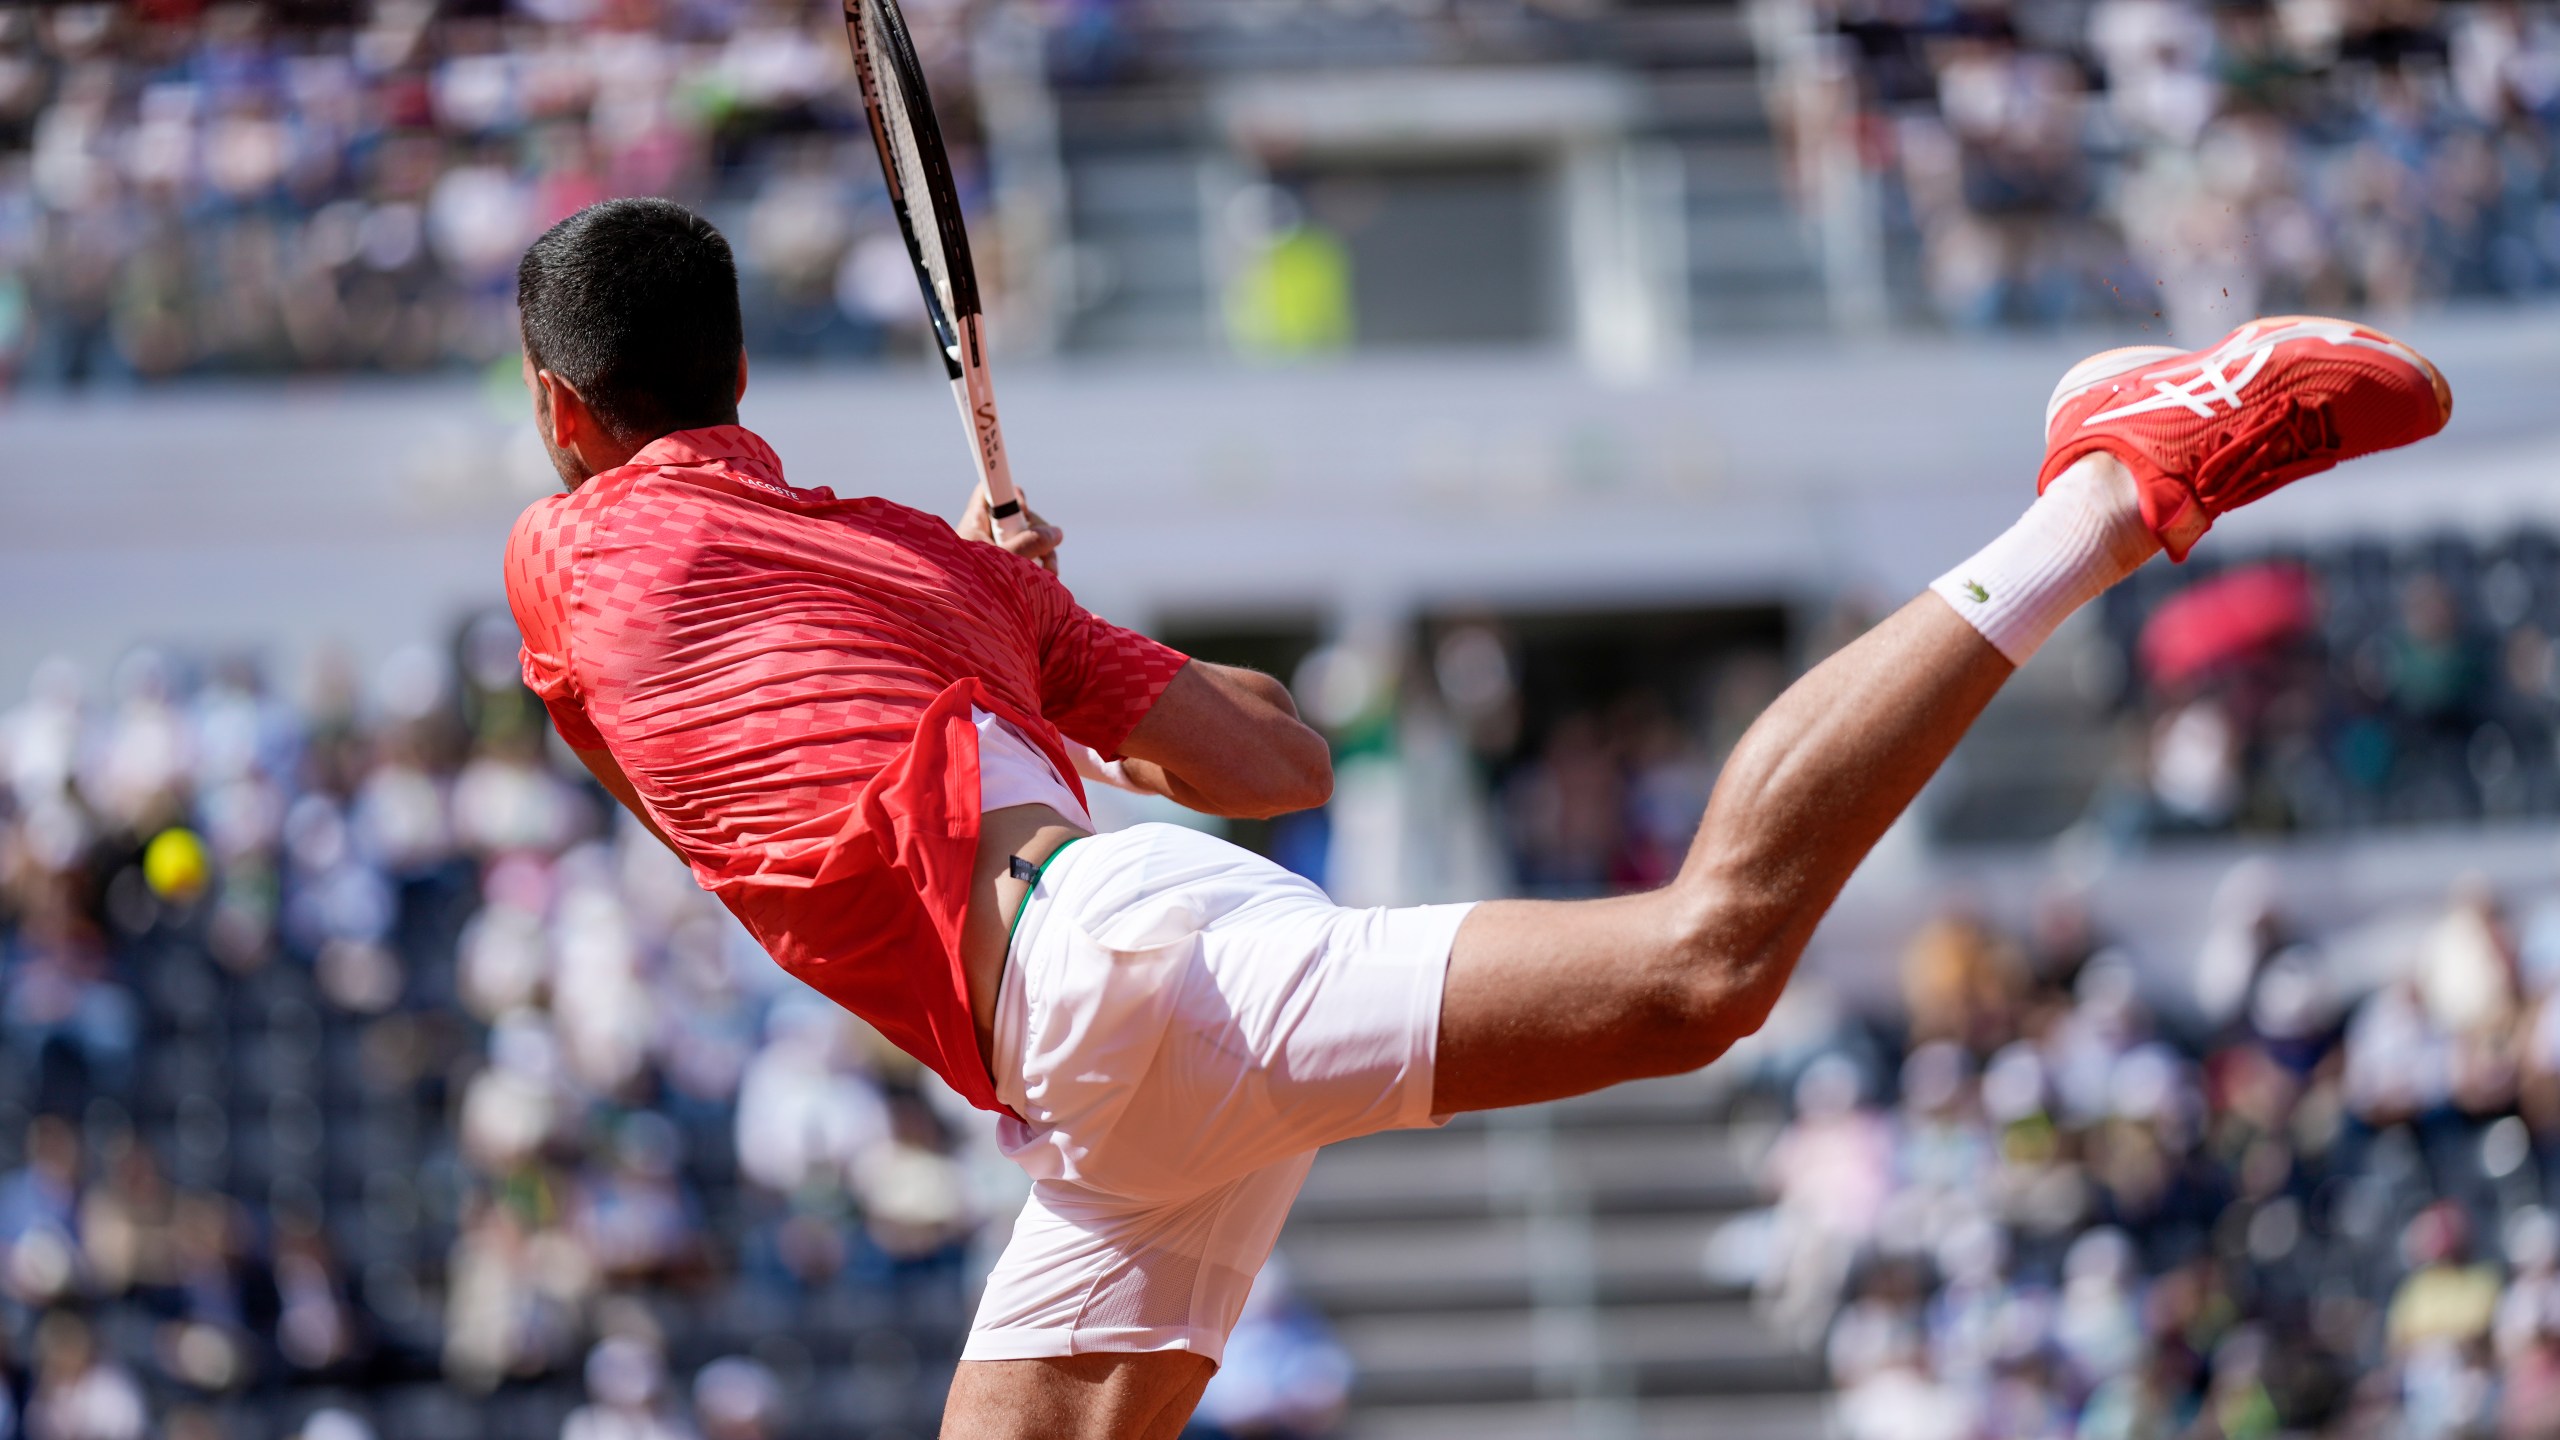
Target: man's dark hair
635, 303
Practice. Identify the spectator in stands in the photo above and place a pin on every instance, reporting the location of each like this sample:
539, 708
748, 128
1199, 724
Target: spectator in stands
2238, 159
1566, 810
735, 1398
1942, 1147
43, 1194
2123, 1227
2418, 686
1879, 1356
191, 189
1962, 983
2526, 1329
355, 866
2439, 1322
1828, 1171
1284, 1377
79, 1393
632, 1213
331, 1423
626, 1380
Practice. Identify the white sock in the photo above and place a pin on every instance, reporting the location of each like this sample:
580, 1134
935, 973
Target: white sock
2083, 534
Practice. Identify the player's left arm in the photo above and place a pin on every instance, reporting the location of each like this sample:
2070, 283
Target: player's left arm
1213, 738
1228, 741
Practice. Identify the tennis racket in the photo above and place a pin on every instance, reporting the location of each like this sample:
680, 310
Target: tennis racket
918, 170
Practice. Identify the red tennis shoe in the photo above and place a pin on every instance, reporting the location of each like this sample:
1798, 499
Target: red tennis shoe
2206, 431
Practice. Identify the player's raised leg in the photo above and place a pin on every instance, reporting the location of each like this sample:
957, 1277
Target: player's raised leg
2144, 448
1547, 999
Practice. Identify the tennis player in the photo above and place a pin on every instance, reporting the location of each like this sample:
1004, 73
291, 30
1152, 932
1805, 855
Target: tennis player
856, 723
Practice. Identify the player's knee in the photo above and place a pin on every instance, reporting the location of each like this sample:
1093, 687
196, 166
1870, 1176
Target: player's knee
1713, 984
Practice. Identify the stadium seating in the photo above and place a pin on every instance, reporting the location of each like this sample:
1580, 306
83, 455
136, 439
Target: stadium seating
319, 187
305, 1116
356, 1058
2420, 691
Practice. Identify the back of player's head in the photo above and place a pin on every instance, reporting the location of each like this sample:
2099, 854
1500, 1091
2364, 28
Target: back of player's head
635, 303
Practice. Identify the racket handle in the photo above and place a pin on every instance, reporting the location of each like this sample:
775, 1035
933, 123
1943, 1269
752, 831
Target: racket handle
1008, 514
976, 392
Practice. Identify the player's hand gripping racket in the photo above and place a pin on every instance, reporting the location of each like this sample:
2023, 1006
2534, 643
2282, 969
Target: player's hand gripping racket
919, 175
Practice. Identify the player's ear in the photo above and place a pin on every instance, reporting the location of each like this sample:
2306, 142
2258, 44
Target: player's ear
742, 376
562, 409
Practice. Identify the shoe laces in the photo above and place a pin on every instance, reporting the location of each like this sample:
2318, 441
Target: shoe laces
2270, 448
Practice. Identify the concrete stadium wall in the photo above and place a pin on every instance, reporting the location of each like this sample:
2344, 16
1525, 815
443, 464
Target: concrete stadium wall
370, 513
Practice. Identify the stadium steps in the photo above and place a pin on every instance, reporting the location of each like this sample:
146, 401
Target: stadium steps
1498, 1354
1465, 1268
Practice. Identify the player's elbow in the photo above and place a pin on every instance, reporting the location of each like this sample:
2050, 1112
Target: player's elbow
1297, 773
1722, 961
1314, 785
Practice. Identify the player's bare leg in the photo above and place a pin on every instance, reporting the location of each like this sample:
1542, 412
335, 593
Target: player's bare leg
1547, 999
1076, 1397
2145, 448
1544, 1000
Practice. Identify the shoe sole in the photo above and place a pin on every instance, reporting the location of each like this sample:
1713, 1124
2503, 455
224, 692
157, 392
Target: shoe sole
2107, 364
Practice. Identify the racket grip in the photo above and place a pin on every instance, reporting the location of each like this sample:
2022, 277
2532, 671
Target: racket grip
1008, 515
975, 394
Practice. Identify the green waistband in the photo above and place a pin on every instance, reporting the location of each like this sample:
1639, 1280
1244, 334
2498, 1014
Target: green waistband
1011, 930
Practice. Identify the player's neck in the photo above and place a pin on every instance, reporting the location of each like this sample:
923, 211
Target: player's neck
600, 454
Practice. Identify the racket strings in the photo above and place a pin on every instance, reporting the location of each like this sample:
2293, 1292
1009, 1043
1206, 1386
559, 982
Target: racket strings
925, 229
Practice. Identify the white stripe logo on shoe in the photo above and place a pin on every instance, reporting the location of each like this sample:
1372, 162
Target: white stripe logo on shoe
2212, 380
2248, 347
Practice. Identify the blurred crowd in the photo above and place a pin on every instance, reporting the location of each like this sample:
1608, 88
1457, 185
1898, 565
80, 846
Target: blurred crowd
2176, 163
333, 185
2356, 684
2350, 685
365, 1074
1609, 799
2306, 1192
277, 186
281, 186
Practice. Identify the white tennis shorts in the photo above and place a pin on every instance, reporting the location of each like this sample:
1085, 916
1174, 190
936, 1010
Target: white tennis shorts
1181, 1024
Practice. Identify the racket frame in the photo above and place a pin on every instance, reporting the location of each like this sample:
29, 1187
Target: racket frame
960, 331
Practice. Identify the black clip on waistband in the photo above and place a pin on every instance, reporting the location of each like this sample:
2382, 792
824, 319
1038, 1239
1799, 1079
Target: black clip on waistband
1023, 870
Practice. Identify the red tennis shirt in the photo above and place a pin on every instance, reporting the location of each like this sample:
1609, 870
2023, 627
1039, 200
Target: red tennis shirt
787, 679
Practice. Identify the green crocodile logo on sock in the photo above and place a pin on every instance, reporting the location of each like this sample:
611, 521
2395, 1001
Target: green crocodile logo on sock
1976, 593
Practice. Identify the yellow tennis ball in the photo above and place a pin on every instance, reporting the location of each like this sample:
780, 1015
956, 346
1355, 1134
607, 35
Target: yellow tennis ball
174, 864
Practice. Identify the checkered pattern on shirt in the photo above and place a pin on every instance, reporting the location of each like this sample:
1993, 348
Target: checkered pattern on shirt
754, 655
